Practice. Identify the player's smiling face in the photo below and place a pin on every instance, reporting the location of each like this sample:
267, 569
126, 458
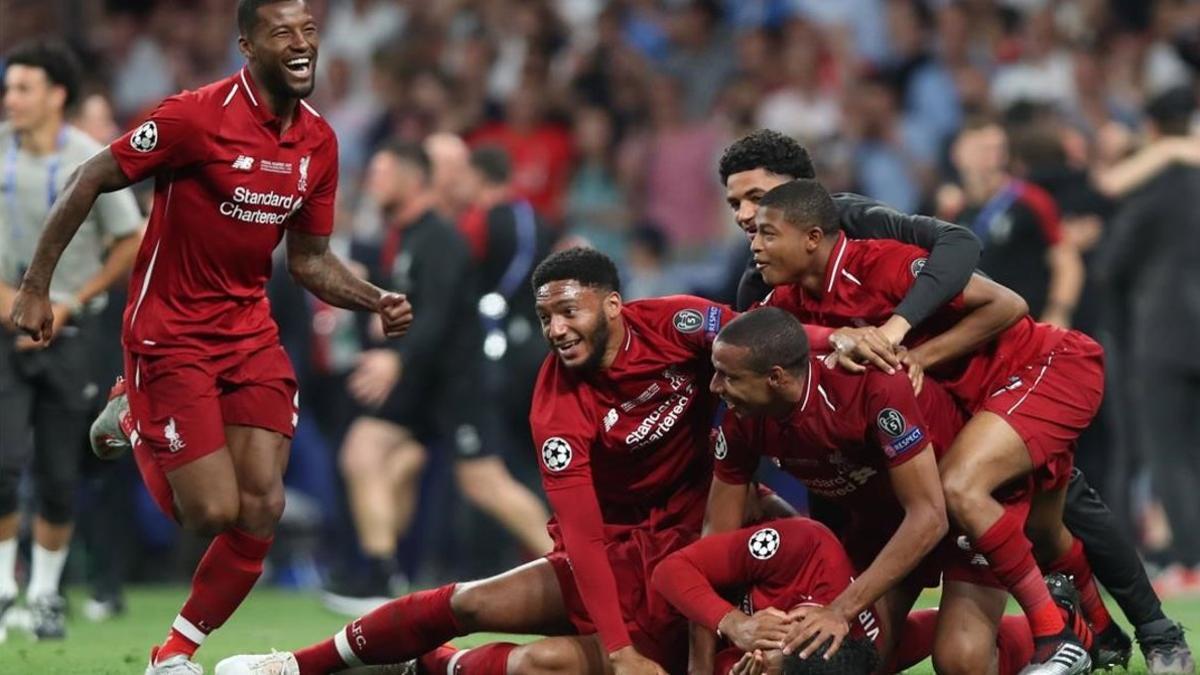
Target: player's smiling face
576, 321
282, 48
742, 192
783, 252
746, 392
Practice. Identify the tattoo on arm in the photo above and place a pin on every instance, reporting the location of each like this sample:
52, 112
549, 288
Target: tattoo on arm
97, 175
316, 268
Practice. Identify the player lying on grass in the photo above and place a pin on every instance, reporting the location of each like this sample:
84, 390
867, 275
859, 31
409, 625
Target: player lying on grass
760, 161
754, 585
870, 444
1031, 389
621, 416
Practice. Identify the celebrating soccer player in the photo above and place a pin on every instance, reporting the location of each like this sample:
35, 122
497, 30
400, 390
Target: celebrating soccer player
212, 397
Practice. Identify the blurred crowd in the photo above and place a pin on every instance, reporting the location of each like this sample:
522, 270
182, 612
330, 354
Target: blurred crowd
1059, 131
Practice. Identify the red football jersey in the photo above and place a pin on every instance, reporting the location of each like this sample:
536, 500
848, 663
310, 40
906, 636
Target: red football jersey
843, 437
867, 278
780, 563
226, 186
617, 443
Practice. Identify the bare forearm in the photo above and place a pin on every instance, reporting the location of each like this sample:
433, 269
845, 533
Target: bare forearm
913, 540
330, 280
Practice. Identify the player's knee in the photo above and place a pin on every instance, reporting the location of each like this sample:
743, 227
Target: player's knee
962, 494
262, 510
544, 657
56, 504
210, 517
469, 603
962, 656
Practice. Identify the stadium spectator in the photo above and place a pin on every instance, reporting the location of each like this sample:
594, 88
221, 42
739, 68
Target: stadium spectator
1017, 221
420, 391
49, 391
1148, 265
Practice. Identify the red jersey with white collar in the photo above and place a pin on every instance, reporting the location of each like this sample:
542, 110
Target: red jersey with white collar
843, 436
227, 184
781, 563
617, 444
866, 279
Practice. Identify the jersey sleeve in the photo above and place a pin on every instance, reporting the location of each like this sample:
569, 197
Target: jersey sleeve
695, 321
560, 428
775, 554
735, 452
316, 215
172, 137
895, 270
953, 251
898, 423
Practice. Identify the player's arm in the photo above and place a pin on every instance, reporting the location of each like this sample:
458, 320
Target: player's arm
953, 254
314, 266
918, 488
32, 312
689, 579
991, 309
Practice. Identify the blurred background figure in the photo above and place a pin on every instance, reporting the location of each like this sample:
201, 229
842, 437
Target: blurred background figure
48, 391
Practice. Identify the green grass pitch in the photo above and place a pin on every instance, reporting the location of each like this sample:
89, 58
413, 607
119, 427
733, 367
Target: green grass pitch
270, 618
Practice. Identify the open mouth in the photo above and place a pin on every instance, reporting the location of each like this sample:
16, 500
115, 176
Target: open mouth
760, 264
300, 66
568, 349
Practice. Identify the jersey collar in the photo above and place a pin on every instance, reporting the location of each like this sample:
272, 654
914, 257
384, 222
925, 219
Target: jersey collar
258, 107
837, 258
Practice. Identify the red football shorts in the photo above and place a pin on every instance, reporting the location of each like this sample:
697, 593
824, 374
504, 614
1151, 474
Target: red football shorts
658, 631
1050, 401
181, 405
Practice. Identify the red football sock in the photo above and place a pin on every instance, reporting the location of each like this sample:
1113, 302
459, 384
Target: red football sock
1014, 644
223, 579
1011, 557
404, 628
1074, 564
489, 659
915, 642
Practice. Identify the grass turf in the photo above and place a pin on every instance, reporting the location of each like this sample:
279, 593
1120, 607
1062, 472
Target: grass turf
270, 618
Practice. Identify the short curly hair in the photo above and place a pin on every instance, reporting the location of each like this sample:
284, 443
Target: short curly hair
586, 265
766, 149
857, 656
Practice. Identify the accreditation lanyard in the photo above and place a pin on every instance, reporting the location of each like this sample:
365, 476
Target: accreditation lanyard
53, 166
998, 204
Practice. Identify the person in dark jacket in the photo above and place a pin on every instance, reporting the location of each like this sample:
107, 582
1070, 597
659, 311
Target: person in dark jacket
1148, 265
422, 389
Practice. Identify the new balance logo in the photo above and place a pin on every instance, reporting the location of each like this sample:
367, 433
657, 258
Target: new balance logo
243, 163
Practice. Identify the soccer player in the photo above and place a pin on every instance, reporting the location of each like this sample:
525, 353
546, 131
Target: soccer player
772, 568
763, 160
620, 417
867, 442
47, 390
212, 397
1031, 389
